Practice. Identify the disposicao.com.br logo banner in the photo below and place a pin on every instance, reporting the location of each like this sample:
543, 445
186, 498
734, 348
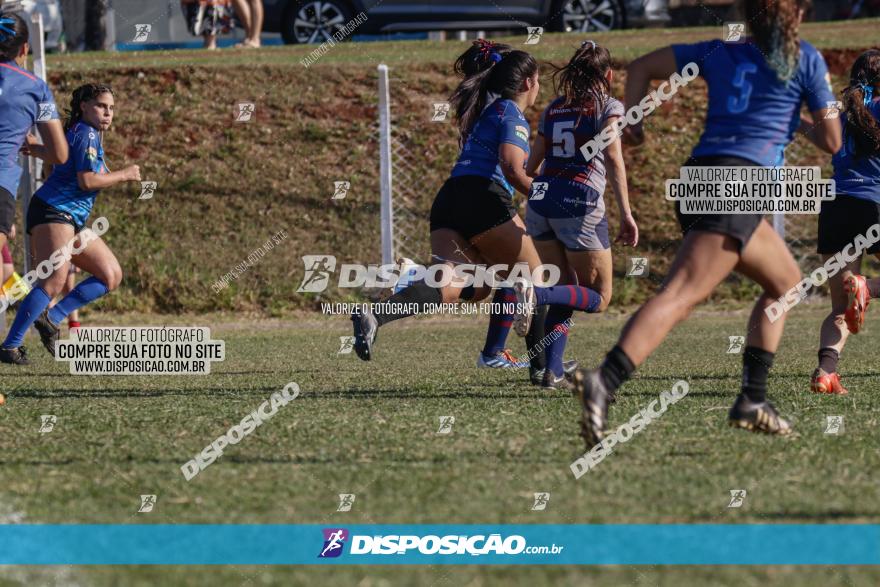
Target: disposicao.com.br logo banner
444, 544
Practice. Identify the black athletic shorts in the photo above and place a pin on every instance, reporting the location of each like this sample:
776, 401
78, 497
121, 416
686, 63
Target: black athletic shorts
39, 212
471, 205
739, 226
7, 211
844, 218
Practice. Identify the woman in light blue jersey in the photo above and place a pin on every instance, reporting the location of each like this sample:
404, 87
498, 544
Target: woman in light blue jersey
757, 88
58, 213
25, 101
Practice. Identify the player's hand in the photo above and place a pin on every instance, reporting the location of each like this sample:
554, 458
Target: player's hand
633, 135
31, 146
11, 234
132, 173
629, 232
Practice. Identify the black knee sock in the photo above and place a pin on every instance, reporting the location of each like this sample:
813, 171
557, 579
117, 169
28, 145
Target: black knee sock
534, 337
756, 367
617, 368
419, 293
828, 358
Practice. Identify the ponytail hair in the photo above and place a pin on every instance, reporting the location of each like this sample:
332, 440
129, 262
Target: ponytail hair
487, 67
13, 35
583, 79
861, 126
774, 26
81, 95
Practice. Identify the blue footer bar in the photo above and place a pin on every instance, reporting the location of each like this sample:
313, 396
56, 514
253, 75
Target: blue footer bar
429, 544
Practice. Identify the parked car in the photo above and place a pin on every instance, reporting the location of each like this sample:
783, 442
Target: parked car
314, 21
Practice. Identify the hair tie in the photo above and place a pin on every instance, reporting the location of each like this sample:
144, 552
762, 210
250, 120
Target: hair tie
5, 31
869, 93
488, 50
592, 43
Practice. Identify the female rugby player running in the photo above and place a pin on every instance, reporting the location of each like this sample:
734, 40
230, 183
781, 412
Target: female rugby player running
756, 89
852, 213
24, 100
566, 211
473, 220
58, 211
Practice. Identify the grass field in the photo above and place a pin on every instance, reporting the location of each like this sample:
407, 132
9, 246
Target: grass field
371, 429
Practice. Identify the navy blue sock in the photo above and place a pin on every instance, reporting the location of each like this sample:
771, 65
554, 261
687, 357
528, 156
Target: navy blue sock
499, 323
576, 297
30, 309
87, 291
557, 320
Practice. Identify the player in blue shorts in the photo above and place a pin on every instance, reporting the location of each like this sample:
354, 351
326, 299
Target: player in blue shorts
756, 89
25, 100
59, 211
566, 209
473, 220
852, 213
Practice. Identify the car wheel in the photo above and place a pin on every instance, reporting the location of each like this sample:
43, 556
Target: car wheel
314, 22
583, 16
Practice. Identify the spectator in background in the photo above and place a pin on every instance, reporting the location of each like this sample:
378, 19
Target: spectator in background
207, 18
250, 13
84, 24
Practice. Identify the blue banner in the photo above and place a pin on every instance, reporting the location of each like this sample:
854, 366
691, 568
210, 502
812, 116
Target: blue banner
428, 544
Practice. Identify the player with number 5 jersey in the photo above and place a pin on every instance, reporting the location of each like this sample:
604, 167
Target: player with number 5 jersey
756, 91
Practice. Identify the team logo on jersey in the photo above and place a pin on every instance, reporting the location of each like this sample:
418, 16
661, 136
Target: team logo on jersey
147, 504
541, 501
534, 36
521, 132
539, 190
737, 498
45, 111
47, 423
318, 271
334, 541
148, 188
441, 109
834, 425
141, 32
346, 500
446, 423
734, 32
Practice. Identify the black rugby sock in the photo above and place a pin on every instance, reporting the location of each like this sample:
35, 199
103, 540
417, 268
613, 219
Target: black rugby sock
617, 368
407, 302
756, 368
828, 358
534, 337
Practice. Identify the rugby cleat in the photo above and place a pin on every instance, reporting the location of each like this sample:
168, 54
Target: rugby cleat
857, 288
48, 331
828, 383
537, 375
757, 417
593, 396
14, 356
365, 329
551, 382
501, 360
525, 306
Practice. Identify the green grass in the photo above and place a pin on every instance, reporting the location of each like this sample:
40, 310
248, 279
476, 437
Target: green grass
370, 429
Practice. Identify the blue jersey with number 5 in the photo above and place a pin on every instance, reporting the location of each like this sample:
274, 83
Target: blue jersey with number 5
752, 114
